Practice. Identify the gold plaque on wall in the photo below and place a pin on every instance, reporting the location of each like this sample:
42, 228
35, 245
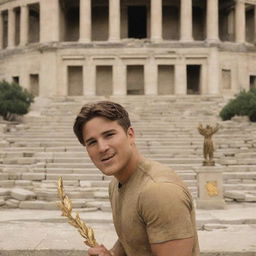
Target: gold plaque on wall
211, 187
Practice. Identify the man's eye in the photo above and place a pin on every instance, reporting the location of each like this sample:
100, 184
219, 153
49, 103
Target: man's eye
109, 134
91, 143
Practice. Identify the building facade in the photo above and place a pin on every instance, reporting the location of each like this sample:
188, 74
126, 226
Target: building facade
128, 47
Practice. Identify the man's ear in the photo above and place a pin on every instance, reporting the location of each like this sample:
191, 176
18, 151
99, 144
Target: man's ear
131, 133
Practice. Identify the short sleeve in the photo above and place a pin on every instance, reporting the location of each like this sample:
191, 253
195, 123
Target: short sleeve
165, 209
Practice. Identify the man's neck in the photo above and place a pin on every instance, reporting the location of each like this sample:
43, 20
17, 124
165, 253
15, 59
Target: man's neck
136, 158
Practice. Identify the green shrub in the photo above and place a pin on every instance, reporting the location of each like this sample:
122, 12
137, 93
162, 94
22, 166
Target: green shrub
243, 105
14, 100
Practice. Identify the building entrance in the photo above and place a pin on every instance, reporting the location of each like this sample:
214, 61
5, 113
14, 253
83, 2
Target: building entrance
75, 80
193, 79
137, 22
252, 82
135, 80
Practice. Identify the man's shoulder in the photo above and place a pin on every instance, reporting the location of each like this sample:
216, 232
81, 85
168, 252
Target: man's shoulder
157, 172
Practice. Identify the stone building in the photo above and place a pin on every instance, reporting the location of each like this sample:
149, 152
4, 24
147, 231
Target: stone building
128, 47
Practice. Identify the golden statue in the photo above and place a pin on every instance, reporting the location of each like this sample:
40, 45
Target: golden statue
207, 132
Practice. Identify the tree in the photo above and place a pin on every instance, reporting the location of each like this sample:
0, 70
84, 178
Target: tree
14, 100
243, 105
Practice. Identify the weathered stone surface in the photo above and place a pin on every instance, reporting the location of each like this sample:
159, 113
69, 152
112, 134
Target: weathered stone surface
250, 197
235, 195
4, 191
33, 176
22, 194
101, 195
12, 203
23, 182
213, 226
2, 202
3, 176
6, 183
85, 183
32, 204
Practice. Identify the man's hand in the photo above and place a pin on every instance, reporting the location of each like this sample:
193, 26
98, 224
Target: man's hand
99, 250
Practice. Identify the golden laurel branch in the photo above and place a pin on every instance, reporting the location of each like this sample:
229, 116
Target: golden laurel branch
65, 206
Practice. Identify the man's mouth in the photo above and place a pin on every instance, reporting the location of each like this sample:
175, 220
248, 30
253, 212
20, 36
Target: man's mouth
106, 158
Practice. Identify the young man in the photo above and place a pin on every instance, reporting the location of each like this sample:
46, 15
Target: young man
152, 209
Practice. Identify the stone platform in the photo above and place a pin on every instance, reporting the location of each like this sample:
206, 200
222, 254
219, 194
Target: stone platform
40, 232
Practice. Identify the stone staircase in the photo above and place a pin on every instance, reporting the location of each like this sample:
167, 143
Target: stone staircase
35, 153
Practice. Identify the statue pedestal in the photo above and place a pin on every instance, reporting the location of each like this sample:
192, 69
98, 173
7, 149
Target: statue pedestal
210, 187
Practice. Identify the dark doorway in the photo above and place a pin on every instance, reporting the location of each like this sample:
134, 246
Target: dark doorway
34, 84
252, 82
137, 21
135, 79
193, 79
16, 79
75, 80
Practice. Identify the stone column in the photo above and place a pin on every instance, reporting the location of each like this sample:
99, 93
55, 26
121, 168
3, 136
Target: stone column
212, 20
48, 74
240, 21
89, 78
156, 20
213, 72
24, 25
1, 30
180, 77
114, 20
119, 78
11, 28
85, 21
49, 21
150, 77
186, 20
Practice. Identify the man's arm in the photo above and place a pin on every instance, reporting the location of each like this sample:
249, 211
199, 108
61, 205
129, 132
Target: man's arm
181, 247
101, 250
118, 249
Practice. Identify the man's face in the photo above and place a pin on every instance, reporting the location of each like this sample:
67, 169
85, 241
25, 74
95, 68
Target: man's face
108, 145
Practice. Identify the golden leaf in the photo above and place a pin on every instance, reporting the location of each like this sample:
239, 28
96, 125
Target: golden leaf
66, 207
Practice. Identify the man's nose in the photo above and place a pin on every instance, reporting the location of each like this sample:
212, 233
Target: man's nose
103, 146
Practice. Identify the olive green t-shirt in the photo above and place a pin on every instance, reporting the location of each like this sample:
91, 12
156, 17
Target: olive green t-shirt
153, 206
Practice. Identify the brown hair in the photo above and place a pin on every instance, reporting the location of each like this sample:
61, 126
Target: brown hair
107, 109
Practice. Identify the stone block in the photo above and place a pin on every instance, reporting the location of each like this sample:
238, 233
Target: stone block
32, 204
22, 194
23, 182
3, 176
50, 206
10, 161
106, 207
4, 143
15, 169
250, 198
101, 195
85, 184
6, 183
14, 176
235, 195
2, 202
4, 192
213, 226
210, 187
12, 203
33, 176
26, 160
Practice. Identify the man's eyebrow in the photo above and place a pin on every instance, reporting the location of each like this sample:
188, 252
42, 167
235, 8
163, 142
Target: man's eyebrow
112, 130
103, 133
